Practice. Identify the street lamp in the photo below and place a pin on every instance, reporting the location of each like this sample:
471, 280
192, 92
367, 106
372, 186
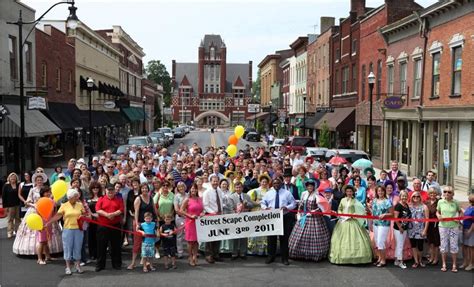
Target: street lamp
270, 119
304, 115
371, 80
90, 85
71, 23
144, 115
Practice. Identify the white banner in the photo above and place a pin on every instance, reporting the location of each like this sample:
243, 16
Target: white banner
239, 225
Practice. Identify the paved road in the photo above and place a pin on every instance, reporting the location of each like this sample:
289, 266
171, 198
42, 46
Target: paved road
20, 271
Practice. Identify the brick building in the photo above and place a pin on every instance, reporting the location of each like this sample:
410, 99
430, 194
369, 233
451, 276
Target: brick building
435, 128
373, 58
319, 74
298, 76
211, 92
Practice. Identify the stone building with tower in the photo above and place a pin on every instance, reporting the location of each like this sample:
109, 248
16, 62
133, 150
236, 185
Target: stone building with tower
211, 92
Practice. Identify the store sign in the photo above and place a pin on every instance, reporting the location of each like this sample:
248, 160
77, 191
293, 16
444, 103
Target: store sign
393, 102
325, 110
36, 103
253, 108
446, 158
3, 112
109, 105
282, 115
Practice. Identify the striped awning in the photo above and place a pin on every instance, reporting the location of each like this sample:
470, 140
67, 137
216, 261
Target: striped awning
36, 124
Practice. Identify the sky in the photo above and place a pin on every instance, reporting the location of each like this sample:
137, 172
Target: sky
168, 30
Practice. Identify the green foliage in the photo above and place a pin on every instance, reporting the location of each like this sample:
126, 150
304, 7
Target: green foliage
170, 124
281, 131
256, 85
158, 123
157, 73
260, 127
324, 136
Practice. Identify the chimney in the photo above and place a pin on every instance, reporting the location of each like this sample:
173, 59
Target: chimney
358, 7
326, 23
173, 72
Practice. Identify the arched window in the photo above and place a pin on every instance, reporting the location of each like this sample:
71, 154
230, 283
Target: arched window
379, 79
213, 53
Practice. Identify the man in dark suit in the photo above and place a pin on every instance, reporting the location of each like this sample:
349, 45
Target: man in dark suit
288, 185
395, 172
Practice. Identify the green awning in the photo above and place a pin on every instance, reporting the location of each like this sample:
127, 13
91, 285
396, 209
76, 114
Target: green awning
134, 114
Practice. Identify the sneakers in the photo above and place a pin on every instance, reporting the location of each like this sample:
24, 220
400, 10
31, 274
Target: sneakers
402, 265
83, 264
68, 271
396, 263
157, 255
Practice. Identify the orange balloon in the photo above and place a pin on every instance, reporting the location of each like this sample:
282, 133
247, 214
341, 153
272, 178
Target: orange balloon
44, 207
233, 140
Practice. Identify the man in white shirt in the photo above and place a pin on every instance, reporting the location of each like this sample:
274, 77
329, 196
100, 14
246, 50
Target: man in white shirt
431, 182
133, 152
212, 202
297, 160
216, 172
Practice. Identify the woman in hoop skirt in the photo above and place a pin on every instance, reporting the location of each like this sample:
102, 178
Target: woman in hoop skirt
25, 241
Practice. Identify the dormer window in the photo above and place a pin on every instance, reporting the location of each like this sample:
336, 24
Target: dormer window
213, 53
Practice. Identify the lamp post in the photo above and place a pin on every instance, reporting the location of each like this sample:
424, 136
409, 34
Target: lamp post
304, 115
71, 23
144, 115
255, 113
371, 80
90, 85
270, 118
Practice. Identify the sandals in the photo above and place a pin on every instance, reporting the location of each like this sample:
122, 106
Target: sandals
145, 270
131, 267
422, 264
454, 269
381, 264
415, 265
432, 263
444, 269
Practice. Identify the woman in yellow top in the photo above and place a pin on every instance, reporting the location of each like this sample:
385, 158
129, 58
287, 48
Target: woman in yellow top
258, 245
72, 235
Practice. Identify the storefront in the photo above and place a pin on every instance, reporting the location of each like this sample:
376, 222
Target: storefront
434, 139
135, 117
341, 127
39, 136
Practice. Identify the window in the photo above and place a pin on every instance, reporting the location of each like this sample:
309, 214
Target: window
363, 82
44, 74
336, 91
338, 55
58, 79
28, 62
69, 82
12, 47
379, 79
435, 77
345, 80
206, 88
403, 77
213, 53
354, 78
354, 46
417, 78
457, 67
390, 74
212, 89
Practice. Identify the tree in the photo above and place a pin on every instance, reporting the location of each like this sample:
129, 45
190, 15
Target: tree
256, 85
157, 73
260, 127
324, 140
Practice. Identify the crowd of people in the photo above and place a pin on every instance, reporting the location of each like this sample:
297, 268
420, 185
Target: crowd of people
149, 199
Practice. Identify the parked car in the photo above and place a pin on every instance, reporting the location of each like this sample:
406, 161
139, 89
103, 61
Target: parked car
185, 127
169, 133
121, 149
247, 131
157, 142
179, 132
140, 141
316, 152
192, 128
161, 136
350, 155
253, 137
277, 143
298, 144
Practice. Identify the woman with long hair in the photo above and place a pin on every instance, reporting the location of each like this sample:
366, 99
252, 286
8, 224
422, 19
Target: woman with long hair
23, 191
95, 192
192, 208
179, 196
11, 202
381, 207
418, 230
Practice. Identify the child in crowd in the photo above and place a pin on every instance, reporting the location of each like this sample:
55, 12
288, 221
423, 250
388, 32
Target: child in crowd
468, 237
168, 242
148, 229
43, 236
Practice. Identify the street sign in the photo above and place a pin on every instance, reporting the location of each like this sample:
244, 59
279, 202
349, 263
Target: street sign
109, 105
282, 115
3, 112
446, 158
36, 103
253, 108
393, 102
325, 110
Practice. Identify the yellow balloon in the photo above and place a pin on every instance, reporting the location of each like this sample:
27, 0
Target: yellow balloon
239, 131
231, 150
34, 222
59, 189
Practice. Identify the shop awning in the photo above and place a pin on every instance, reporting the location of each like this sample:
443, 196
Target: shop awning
117, 118
66, 116
343, 119
36, 124
134, 114
271, 119
312, 120
257, 116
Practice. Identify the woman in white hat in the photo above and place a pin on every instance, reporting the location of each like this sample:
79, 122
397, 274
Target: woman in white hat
25, 241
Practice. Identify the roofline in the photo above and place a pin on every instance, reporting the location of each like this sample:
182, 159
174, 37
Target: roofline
371, 13
268, 58
299, 42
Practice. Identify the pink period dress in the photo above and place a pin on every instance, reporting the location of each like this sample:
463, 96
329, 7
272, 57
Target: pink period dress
195, 207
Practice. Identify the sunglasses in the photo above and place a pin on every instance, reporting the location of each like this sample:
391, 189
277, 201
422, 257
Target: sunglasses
447, 191
415, 196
